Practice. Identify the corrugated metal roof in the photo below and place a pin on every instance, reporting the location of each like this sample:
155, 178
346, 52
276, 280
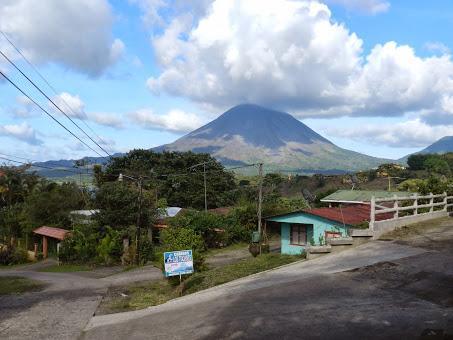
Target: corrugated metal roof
52, 232
360, 196
351, 215
169, 212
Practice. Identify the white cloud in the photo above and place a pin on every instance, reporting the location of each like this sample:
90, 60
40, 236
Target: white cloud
107, 119
22, 132
363, 6
73, 106
25, 107
412, 133
76, 34
174, 120
291, 55
437, 47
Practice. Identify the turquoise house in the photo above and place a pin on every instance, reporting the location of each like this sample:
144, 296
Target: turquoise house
313, 227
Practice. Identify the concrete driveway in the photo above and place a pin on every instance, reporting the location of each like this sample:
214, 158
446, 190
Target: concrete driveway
333, 297
64, 307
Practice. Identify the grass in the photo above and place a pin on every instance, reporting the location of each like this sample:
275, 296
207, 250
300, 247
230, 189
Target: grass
65, 268
234, 246
18, 285
158, 292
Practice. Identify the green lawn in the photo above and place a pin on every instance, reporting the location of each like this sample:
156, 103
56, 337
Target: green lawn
234, 246
17, 285
66, 268
158, 292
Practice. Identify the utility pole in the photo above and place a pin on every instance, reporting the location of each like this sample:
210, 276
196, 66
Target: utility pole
260, 197
204, 181
137, 231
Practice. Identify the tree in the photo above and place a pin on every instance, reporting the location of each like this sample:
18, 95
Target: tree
50, 204
172, 176
118, 205
417, 161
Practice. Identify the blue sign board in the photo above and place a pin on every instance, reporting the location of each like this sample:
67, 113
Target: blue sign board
178, 262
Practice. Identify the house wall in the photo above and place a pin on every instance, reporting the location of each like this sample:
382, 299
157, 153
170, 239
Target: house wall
320, 226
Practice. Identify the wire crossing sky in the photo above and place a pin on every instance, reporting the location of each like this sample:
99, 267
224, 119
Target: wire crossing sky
372, 76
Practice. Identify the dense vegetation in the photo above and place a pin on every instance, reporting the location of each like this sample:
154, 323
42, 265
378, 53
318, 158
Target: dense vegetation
153, 181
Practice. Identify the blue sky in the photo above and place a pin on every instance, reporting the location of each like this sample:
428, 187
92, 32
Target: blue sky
374, 76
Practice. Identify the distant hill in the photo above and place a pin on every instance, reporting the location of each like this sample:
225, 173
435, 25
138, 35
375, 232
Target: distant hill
250, 133
443, 145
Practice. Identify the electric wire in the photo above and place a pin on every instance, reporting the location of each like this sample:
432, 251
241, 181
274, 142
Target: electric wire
46, 112
49, 85
53, 103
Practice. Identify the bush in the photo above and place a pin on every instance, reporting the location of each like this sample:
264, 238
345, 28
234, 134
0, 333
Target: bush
146, 251
183, 239
12, 255
109, 250
80, 247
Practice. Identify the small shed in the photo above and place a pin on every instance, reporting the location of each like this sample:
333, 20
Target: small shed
57, 234
303, 228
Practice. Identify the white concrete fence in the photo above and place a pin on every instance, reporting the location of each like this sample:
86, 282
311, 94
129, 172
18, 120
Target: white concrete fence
407, 210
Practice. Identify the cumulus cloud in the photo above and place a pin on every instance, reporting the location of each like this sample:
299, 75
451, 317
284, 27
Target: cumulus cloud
76, 34
291, 55
412, 133
22, 132
25, 108
107, 119
174, 120
72, 105
363, 6
437, 47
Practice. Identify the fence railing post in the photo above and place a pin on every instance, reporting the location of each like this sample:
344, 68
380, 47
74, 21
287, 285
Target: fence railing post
395, 206
372, 212
445, 201
431, 202
415, 204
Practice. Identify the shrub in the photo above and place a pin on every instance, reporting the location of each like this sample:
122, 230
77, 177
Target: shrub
80, 247
110, 249
183, 239
146, 251
12, 255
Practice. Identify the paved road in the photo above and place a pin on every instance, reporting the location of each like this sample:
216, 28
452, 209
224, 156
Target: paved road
62, 310
356, 294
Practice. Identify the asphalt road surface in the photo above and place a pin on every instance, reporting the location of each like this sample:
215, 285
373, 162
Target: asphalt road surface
380, 290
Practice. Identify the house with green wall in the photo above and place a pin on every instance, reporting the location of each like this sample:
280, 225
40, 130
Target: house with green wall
300, 229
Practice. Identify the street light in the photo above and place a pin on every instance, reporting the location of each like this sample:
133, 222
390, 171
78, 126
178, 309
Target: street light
139, 181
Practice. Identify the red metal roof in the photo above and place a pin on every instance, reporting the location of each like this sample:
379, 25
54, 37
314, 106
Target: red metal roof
351, 214
52, 232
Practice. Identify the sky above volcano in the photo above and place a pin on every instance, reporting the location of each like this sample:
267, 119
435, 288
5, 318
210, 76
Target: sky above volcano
373, 76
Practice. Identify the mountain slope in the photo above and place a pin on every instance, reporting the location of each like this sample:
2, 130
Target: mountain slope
249, 133
443, 145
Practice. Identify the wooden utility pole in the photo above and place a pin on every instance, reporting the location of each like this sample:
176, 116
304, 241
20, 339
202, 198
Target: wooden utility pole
137, 231
260, 197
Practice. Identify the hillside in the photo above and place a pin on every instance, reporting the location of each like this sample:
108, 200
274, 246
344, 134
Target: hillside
443, 145
249, 133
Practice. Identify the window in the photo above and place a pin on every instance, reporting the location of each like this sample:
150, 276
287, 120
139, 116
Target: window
298, 234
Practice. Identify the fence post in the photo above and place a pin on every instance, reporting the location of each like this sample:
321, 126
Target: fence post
415, 204
372, 212
431, 202
395, 206
445, 201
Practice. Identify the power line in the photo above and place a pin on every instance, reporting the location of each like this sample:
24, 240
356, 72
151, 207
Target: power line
50, 86
42, 166
46, 112
33, 162
53, 103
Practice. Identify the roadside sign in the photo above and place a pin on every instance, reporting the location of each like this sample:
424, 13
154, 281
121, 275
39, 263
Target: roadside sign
178, 262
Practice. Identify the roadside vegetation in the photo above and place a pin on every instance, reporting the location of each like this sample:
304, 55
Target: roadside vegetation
139, 296
18, 285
